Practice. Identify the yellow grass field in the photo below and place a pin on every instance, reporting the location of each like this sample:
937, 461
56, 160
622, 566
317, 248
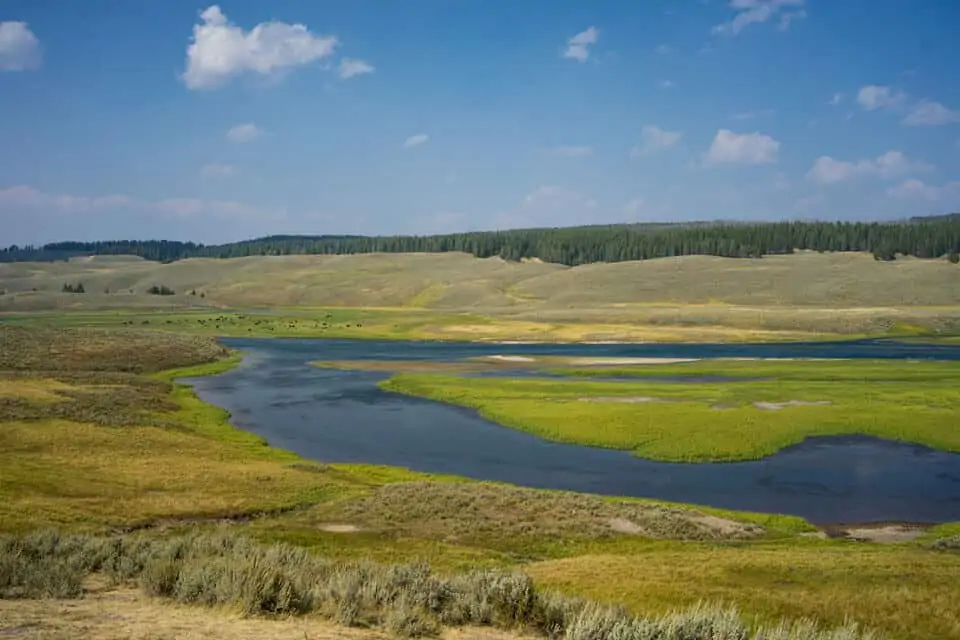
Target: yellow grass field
458, 297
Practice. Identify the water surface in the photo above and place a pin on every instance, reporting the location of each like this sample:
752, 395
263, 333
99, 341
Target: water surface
342, 416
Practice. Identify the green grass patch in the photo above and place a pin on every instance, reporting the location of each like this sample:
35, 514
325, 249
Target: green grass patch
692, 422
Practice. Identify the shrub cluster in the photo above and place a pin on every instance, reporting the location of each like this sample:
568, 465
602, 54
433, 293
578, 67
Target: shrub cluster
407, 600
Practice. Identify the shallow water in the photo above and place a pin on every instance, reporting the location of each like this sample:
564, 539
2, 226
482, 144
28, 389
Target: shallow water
341, 416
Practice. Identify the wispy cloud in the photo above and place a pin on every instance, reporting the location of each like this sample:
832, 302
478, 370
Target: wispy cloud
655, 139
19, 47
415, 140
930, 113
751, 115
20, 198
574, 151
221, 50
667, 84
914, 189
873, 97
349, 68
892, 164
758, 11
216, 170
578, 47
245, 132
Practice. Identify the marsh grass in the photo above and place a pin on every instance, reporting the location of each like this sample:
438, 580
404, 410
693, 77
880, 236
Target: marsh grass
713, 421
407, 600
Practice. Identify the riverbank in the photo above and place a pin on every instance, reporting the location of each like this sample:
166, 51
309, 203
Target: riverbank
102, 442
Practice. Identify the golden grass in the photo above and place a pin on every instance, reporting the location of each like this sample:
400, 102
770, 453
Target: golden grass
710, 298
906, 592
42, 389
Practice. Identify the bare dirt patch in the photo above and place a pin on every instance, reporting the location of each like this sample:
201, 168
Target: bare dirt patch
624, 399
618, 361
339, 528
886, 534
777, 406
125, 613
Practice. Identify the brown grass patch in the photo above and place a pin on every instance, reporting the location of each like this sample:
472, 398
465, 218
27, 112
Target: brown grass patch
485, 512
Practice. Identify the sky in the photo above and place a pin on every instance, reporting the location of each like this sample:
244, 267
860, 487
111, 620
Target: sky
189, 120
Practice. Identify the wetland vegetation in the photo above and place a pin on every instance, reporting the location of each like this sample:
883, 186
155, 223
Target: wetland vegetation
774, 404
134, 475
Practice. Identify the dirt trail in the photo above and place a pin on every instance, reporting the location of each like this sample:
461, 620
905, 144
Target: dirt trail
125, 614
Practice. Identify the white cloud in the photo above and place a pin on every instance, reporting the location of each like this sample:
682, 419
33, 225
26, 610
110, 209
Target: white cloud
349, 68
663, 49
836, 99
216, 170
892, 164
19, 47
415, 141
667, 84
655, 139
21, 198
872, 97
244, 132
758, 11
578, 47
746, 148
221, 50
930, 113
576, 151
914, 189
786, 19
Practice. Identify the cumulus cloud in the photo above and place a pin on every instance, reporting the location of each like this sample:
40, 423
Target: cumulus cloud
575, 151
244, 132
914, 189
892, 164
221, 50
216, 170
19, 47
578, 47
742, 148
415, 141
655, 139
930, 113
757, 11
873, 97
21, 199
836, 99
349, 68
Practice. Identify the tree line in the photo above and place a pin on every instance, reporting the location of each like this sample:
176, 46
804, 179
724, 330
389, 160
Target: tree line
933, 237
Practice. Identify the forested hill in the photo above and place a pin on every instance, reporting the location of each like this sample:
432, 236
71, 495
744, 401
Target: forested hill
932, 237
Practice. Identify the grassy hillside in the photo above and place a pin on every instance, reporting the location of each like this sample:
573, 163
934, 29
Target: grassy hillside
801, 294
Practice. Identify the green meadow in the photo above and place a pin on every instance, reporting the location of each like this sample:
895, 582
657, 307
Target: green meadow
764, 407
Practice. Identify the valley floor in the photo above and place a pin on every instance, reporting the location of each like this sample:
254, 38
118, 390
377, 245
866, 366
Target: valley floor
96, 439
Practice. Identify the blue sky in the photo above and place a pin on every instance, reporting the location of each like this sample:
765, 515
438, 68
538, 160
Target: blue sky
218, 122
